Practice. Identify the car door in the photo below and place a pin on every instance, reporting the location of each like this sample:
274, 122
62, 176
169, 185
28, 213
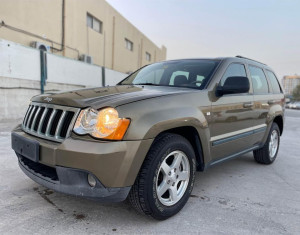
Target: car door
263, 100
232, 118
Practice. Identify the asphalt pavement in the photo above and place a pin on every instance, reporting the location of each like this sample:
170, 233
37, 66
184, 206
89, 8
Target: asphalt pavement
236, 197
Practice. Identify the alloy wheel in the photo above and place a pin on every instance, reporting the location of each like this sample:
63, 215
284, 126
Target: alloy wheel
273, 144
173, 178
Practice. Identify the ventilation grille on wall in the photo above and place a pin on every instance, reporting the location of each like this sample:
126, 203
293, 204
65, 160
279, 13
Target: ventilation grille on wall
86, 58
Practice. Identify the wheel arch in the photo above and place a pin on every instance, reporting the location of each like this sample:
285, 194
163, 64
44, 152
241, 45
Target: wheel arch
279, 121
192, 135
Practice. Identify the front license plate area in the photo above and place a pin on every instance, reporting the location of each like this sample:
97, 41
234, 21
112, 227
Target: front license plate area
26, 147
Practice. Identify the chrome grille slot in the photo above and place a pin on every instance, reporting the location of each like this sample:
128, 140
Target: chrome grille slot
48, 121
38, 118
65, 125
27, 115
55, 122
45, 123
31, 117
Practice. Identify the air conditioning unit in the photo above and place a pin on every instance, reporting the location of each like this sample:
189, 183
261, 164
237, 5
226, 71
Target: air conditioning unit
86, 58
41, 46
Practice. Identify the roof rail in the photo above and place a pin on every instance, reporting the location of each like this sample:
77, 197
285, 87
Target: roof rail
242, 57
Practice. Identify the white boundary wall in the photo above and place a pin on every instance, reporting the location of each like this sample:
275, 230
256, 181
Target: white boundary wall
17, 61
20, 76
68, 71
113, 77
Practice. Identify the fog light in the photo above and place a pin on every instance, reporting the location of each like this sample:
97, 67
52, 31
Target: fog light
92, 181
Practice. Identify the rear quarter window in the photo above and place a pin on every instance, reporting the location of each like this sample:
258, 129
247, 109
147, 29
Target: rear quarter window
274, 82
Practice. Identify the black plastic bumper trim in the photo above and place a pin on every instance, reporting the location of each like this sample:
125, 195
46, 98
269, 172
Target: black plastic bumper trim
74, 182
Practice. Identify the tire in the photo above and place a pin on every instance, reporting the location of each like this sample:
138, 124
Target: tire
265, 155
147, 196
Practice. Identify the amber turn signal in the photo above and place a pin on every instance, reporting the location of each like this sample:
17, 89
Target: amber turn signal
120, 131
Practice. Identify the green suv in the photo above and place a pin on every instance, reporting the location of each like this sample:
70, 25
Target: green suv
145, 138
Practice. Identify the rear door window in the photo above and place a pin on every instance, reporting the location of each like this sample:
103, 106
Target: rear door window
259, 80
274, 82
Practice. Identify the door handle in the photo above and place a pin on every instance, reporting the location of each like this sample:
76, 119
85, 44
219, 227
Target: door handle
248, 105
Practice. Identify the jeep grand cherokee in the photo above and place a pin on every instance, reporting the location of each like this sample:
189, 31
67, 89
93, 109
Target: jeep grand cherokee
144, 138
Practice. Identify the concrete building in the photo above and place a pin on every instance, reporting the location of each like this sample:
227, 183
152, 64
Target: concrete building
290, 82
88, 29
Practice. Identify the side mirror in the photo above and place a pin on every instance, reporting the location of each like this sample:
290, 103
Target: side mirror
234, 85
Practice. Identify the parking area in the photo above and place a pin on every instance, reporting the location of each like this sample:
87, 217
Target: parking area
236, 197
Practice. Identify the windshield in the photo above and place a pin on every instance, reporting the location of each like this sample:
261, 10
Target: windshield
183, 73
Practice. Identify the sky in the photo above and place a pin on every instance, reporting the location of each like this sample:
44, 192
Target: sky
264, 30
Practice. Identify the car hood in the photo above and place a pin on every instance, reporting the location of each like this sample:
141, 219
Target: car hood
108, 96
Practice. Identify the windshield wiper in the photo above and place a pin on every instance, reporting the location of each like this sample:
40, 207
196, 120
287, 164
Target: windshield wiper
147, 83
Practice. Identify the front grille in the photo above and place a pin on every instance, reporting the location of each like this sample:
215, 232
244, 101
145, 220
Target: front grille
48, 121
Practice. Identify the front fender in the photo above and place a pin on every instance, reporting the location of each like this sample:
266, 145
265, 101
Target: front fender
200, 126
151, 117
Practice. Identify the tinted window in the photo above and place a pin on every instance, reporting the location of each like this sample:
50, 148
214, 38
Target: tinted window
181, 73
274, 82
234, 70
259, 80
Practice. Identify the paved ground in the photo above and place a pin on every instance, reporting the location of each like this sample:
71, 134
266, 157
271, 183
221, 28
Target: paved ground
237, 197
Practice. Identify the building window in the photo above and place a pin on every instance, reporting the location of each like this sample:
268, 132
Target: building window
148, 56
129, 44
94, 23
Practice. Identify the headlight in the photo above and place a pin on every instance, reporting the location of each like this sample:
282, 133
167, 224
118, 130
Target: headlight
102, 124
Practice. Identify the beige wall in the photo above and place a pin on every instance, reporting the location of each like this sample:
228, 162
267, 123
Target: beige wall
31, 16
44, 18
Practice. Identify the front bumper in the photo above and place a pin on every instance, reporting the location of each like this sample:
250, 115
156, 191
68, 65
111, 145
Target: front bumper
115, 166
70, 181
